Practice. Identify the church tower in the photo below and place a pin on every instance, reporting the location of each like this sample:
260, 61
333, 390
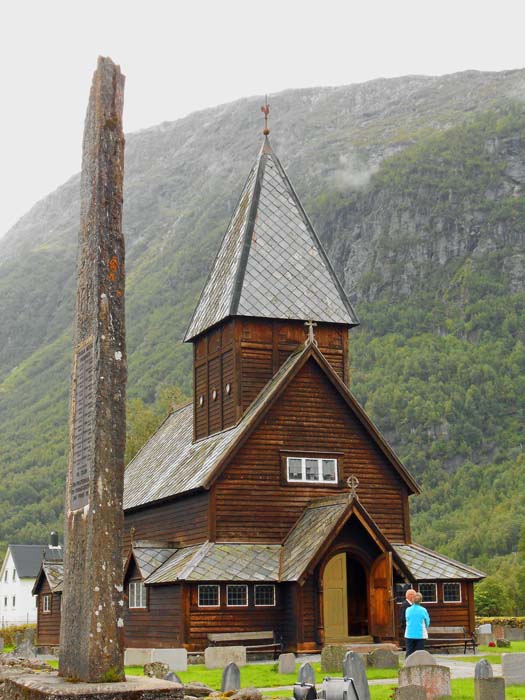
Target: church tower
270, 287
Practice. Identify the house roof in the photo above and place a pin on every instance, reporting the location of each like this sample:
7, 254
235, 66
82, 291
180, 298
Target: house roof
54, 573
148, 559
170, 463
424, 564
270, 263
213, 561
28, 557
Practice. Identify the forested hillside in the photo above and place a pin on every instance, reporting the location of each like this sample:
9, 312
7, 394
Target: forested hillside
417, 189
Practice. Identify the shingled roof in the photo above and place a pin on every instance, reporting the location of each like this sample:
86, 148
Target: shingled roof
271, 263
424, 564
28, 557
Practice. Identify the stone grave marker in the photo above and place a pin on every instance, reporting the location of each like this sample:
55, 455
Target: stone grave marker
306, 674
513, 668
486, 628
219, 657
433, 678
1, 644
156, 669
231, 678
382, 658
420, 658
483, 670
91, 615
411, 692
286, 663
514, 634
353, 667
172, 677
486, 687
332, 657
177, 659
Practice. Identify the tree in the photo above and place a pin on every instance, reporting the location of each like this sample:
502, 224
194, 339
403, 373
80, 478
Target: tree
491, 597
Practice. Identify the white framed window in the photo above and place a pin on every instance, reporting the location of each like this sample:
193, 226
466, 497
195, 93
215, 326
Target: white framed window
452, 592
237, 596
429, 592
14, 574
137, 596
5, 601
5, 575
14, 601
319, 470
264, 595
46, 604
209, 596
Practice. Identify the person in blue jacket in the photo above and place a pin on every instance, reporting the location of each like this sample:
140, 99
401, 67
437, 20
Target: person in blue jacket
416, 630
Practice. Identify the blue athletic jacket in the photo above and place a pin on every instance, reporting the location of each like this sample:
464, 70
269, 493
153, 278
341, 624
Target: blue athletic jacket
416, 617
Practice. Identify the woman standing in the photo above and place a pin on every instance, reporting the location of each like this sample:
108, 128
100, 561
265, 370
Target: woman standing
416, 630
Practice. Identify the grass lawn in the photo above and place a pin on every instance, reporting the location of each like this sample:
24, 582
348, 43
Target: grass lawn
492, 654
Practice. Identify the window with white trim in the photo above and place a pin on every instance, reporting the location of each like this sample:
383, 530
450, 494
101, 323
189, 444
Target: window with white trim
264, 595
319, 470
137, 595
46, 604
237, 596
429, 592
452, 592
14, 574
209, 596
14, 601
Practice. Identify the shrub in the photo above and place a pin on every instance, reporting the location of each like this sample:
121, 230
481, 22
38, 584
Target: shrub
8, 633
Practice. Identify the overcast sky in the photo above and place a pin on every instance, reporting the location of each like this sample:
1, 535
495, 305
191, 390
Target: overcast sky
180, 56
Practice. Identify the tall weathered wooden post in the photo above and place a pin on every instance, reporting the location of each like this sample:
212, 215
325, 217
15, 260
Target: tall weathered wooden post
92, 607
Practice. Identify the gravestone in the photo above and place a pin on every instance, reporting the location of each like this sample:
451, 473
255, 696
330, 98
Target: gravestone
92, 602
304, 691
219, 657
382, 658
231, 678
486, 628
420, 658
486, 687
286, 663
177, 659
353, 667
485, 639
502, 643
513, 668
172, 677
411, 692
332, 657
306, 674
433, 678
514, 634
1, 644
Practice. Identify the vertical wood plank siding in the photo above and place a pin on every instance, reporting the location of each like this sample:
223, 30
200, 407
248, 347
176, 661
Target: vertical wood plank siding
48, 624
158, 625
183, 521
310, 415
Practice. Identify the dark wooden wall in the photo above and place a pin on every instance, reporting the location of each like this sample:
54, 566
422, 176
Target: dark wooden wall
183, 521
48, 624
158, 625
310, 415
246, 353
203, 621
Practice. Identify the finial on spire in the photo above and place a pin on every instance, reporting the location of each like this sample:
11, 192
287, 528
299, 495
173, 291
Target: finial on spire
265, 109
311, 334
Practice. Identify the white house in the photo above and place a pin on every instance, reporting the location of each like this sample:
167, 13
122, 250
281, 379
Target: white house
17, 576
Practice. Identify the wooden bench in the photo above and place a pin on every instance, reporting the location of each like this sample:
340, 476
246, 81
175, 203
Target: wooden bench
450, 637
267, 641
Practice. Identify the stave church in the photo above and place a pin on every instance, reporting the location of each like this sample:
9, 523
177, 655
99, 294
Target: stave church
270, 509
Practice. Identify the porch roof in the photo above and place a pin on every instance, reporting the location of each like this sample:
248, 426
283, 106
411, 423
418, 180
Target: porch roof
424, 564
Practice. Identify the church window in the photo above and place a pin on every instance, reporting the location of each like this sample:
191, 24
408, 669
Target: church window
452, 592
237, 596
209, 596
137, 595
312, 469
264, 595
429, 592
46, 604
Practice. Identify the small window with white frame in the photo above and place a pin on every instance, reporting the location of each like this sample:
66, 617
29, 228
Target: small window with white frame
429, 592
237, 596
264, 595
318, 470
452, 592
46, 604
14, 601
137, 595
209, 596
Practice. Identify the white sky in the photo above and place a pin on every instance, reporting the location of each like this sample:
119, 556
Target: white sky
179, 56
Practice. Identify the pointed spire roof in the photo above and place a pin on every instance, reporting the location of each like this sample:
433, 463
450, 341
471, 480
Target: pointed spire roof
271, 263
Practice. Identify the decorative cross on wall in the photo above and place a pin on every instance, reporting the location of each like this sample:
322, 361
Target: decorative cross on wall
353, 483
311, 335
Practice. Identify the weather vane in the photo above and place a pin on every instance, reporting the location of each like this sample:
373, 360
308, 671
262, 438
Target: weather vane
265, 109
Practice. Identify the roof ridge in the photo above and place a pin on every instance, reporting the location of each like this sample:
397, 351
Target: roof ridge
443, 557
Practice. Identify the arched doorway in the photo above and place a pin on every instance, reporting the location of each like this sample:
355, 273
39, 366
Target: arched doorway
345, 598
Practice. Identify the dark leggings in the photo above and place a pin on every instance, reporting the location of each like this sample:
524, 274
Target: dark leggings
414, 645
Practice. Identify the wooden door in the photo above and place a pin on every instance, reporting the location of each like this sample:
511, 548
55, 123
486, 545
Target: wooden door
381, 597
335, 604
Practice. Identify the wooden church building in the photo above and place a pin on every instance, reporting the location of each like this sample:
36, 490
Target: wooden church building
271, 502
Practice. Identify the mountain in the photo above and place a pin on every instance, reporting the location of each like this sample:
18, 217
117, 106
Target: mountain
416, 187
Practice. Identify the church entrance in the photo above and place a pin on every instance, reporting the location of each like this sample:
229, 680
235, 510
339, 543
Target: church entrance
345, 598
